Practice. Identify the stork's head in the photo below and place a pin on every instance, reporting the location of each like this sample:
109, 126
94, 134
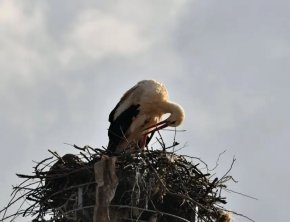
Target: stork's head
176, 115
175, 119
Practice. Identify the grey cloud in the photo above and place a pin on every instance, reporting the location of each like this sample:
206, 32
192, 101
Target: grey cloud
226, 62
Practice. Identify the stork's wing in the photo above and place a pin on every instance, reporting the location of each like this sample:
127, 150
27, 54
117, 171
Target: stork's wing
124, 97
118, 128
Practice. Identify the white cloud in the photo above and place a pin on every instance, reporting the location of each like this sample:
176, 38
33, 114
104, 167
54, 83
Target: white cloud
121, 29
29, 52
23, 42
126, 28
96, 35
150, 12
156, 18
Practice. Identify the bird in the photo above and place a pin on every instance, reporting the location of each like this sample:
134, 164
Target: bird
138, 114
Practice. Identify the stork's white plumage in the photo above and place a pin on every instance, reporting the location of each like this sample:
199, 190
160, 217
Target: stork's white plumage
138, 114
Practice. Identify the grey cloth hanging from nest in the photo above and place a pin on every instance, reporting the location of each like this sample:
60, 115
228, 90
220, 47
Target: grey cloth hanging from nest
107, 182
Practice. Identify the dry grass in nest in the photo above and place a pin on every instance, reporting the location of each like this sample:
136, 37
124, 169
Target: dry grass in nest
151, 184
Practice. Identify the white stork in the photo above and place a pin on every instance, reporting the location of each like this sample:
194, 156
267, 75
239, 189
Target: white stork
138, 114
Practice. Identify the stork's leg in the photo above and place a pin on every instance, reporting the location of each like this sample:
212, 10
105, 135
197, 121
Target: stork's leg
142, 142
146, 139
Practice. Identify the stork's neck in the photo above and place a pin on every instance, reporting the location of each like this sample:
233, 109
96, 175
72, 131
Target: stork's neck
171, 107
176, 113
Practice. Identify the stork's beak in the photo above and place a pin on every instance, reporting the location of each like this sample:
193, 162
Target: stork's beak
156, 127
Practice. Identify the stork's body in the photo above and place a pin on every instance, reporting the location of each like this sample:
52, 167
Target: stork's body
139, 110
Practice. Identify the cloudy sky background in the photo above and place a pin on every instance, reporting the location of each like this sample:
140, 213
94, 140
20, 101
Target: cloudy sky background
65, 64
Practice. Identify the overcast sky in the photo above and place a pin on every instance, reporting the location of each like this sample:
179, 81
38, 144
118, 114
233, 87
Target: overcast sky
65, 64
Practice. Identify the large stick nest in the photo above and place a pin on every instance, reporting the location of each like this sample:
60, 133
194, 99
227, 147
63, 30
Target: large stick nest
164, 184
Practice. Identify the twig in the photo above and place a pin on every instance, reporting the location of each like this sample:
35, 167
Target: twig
217, 161
242, 194
152, 211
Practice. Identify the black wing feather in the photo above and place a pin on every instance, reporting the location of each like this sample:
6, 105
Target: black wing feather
112, 113
124, 97
119, 127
